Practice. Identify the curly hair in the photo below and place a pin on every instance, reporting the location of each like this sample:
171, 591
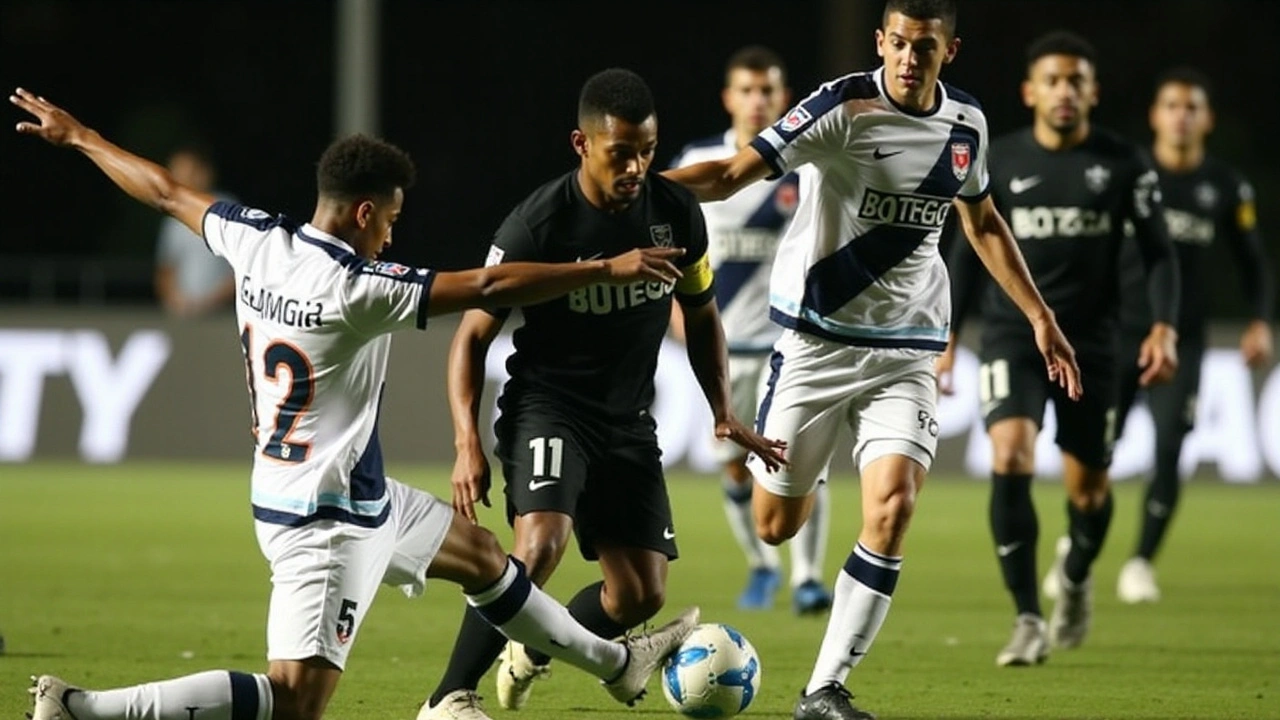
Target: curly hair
616, 92
359, 166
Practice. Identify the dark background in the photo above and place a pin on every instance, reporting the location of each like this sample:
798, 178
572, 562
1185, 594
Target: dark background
482, 93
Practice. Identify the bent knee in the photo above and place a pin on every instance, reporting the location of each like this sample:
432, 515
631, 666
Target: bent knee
891, 515
777, 529
636, 605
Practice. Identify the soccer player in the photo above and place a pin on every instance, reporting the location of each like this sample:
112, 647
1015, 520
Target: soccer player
576, 440
315, 311
862, 292
1205, 202
1067, 188
743, 233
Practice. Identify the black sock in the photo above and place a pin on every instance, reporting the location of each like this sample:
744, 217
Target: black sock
1088, 530
1015, 528
1161, 499
585, 607
477, 646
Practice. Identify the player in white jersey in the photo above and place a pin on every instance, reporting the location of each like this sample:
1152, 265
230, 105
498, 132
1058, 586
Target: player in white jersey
315, 311
863, 293
743, 233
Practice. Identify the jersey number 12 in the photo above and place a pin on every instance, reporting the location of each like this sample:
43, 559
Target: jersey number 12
302, 388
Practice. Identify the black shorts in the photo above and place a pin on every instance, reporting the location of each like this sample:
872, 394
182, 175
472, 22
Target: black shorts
604, 473
1172, 404
1014, 383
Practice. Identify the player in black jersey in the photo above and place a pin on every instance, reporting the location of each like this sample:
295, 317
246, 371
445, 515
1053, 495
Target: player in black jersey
1067, 189
1206, 203
577, 444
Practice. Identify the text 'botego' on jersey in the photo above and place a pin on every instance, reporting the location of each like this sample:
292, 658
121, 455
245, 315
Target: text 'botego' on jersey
314, 319
859, 264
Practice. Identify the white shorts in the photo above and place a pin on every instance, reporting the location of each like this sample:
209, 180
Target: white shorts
748, 378
888, 397
324, 574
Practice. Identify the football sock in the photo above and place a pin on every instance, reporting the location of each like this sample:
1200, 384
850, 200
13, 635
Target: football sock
863, 591
1161, 499
587, 609
737, 508
215, 695
478, 644
810, 542
1088, 530
1015, 528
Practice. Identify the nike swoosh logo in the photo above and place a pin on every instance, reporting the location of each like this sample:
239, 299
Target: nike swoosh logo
668, 534
1007, 550
534, 485
1018, 185
879, 155
593, 257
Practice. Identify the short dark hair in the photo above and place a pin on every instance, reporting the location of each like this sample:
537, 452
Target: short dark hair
1061, 42
617, 92
197, 148
756, 58
1186, 75
944, 10
360, 166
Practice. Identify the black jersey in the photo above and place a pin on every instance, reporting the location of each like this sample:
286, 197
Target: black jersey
1068, 210
597, 347
1211, 205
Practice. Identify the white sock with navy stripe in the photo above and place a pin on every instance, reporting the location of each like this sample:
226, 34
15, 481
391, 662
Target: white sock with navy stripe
863, 591
526, 614
212, 695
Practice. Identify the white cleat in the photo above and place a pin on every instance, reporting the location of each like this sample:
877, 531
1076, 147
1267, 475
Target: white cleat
516, 673
1137, 582
47, 693
1051, 587
1029, 644
457, 705
646, 654
1072, 613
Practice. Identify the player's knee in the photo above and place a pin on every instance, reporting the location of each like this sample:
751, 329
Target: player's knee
540, 556
293, 699
890, 516
1013, 458
635, 605
776, 528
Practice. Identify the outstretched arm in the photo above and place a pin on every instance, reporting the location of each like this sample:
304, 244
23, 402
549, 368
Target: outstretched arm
142, 179
996, 247
719, 179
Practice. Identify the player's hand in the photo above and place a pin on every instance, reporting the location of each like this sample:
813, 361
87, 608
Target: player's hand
943, 367
1255, 344
55, 125
1158, 356
1059, 356
771, 452
470, 481
645, 264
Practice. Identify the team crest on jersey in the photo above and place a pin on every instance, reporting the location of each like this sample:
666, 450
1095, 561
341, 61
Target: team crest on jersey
786, 198
960, 160
495, 256
796, 119
388, 269
1097, 177
254, 214
662, 235
1206, 196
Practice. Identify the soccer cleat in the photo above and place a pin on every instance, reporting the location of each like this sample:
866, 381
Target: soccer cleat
810, 598
516, 673
1051, 587
457, 705
47, 694
646, 653
829, 702
1137, 582
1029, 644
1072, 613
762, 583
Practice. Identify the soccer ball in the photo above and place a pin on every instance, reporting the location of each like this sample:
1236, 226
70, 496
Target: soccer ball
715, 673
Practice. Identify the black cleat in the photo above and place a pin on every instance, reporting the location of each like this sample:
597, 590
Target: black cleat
830, 702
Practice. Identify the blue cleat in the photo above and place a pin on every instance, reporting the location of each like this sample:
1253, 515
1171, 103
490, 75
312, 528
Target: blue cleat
762, 583
810, 598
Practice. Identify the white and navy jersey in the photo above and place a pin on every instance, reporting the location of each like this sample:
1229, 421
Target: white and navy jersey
859, 264
314, 320
743, 234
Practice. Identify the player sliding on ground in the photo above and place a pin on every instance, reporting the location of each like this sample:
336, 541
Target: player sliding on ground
315, 312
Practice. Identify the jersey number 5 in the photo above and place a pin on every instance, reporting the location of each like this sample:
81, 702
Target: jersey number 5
302, 388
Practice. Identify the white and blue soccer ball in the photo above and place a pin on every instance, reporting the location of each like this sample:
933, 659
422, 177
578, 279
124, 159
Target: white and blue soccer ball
714, 674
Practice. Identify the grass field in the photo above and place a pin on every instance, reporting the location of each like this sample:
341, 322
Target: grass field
117, 575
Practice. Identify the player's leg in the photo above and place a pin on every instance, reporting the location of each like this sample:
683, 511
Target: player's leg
747, 373
1086, 435
895, 436
544, 470
808, 550
1013, 392
1173, 406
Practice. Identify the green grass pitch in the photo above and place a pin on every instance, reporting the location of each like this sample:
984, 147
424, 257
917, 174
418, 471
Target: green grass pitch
118, 575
